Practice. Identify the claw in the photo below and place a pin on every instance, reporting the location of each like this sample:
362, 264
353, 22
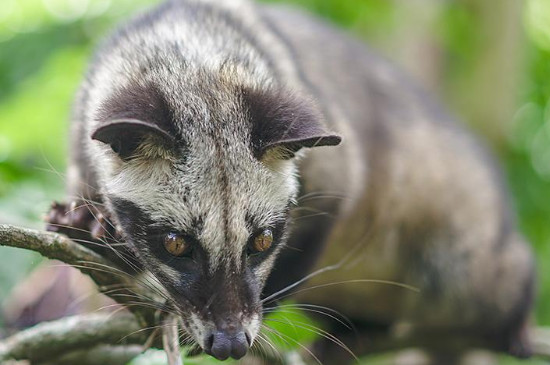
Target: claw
78, 221
98, 230
89, 225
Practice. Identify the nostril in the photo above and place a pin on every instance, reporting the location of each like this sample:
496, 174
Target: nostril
239, 345
248, 339
221, 346
208, 344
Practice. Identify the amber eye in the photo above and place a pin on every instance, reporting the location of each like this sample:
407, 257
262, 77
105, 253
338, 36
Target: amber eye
263, 241
176, 245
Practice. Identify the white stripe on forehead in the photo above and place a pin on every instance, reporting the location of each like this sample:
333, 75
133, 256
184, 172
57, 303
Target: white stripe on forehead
245, 188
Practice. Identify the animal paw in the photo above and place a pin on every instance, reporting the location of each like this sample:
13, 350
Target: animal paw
81, 221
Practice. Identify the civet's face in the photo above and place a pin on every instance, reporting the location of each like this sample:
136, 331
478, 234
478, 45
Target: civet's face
202, 193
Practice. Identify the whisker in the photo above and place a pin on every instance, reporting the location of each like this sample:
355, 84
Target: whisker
336, 266
70, 227
105, 220
113, 313
281, 335
52, 169
154, 306
371, 281
274, 350
322, 195
86, 201
81, 299
122, 274
141, 330
276, 333
318, 331
346, 322
295, 284
124, 257
108, 306
320, 214
88, 265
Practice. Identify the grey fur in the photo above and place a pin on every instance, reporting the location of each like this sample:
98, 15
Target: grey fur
419, 201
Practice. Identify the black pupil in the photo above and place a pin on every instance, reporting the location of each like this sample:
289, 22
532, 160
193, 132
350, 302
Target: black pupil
175, 243
261, 241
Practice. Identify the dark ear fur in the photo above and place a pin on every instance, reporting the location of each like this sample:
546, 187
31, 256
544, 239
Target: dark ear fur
279, 119
126, 135
133, 115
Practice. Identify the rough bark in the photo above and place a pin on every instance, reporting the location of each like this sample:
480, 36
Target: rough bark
49, 340
110, 279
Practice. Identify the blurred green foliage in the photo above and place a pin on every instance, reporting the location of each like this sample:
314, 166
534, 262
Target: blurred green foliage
44, 45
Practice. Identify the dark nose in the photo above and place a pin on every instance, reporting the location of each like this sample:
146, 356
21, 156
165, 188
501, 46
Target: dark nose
223, 344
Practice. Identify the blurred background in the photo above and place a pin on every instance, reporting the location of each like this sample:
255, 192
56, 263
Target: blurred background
488, 61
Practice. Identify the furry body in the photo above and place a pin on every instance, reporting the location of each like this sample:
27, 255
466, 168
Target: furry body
408, 192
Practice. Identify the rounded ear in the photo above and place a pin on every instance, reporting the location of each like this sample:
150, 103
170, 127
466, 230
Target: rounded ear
125, 136
285, 123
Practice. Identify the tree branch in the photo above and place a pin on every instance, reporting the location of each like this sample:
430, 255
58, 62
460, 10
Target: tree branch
540, 338
57, 247
49, 340
79, 336
99, 355
103, 272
